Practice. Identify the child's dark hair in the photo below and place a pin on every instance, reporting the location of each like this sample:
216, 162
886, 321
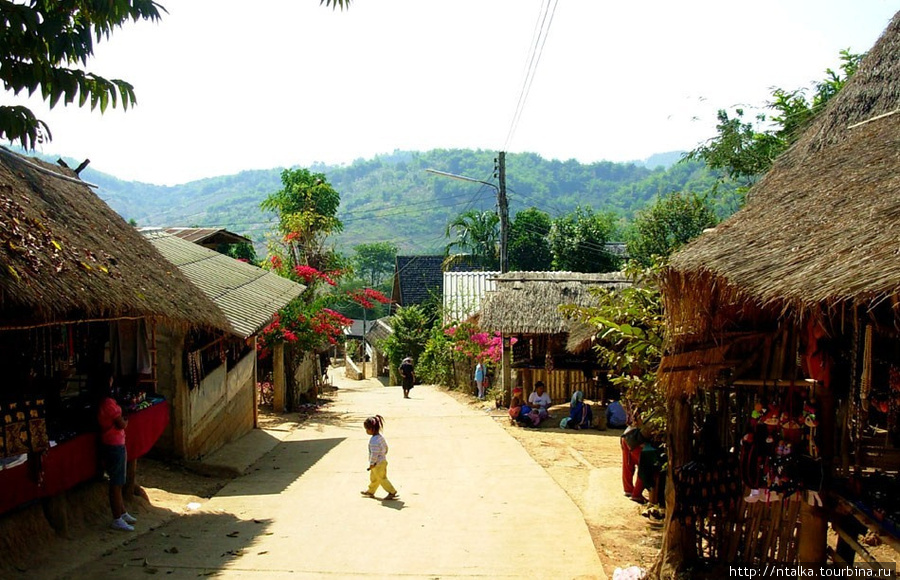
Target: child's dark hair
374, 424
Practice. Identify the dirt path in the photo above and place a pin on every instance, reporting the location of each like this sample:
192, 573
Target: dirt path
586, 465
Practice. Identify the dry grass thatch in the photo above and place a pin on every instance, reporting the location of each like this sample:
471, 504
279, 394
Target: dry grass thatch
820, 231
528, 302
823, 226
66, 256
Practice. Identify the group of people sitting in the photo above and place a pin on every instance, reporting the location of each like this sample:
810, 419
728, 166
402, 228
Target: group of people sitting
535, 410
532, 412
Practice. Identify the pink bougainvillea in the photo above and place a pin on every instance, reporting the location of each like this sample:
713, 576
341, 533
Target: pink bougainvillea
478, 345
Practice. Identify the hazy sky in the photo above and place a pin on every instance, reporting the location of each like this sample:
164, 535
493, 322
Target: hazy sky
227, 85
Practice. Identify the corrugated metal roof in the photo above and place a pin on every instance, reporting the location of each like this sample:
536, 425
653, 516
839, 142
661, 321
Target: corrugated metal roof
463, 292
248, 295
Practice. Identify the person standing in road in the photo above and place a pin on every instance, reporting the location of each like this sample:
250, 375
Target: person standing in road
407, 376
378, 449
479, 379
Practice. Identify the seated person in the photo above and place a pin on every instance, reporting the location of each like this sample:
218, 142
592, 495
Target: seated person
522, 414
615, 416
539, 401
580, 414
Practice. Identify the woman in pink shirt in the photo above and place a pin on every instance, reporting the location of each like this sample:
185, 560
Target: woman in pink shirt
112, 450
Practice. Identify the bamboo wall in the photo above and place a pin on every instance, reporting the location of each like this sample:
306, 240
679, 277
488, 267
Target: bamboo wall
560, 384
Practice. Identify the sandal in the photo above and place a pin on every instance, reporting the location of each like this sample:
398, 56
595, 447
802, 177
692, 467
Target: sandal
367, 494
391, 496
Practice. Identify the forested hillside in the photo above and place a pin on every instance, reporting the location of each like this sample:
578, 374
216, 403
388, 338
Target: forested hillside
392, 197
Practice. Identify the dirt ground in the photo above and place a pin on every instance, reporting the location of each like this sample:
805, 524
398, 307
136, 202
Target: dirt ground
586, 464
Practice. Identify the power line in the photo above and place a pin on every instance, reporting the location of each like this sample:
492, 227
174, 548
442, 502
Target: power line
537, 49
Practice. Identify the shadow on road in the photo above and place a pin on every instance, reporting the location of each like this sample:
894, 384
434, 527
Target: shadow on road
281, 467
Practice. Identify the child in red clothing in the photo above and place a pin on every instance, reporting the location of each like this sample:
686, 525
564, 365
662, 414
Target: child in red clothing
112, 450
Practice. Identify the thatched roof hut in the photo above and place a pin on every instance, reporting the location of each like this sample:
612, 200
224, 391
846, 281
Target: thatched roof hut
528, 302
68, 257
819, 231
783, 292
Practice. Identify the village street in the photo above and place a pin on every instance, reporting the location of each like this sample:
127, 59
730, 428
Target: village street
473, 503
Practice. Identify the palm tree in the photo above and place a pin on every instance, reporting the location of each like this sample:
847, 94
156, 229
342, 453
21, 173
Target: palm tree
477, 234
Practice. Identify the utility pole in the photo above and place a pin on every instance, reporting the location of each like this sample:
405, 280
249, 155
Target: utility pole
503, 207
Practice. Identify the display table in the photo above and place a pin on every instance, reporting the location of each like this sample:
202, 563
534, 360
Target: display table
144, 428
74, 461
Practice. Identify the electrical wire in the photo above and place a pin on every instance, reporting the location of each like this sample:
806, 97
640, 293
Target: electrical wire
537, 50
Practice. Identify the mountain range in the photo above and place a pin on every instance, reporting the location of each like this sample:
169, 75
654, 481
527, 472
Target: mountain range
391, 198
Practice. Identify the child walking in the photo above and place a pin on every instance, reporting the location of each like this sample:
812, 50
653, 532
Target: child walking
378, 449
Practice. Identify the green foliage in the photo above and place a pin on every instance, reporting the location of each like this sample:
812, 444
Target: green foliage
745, 150
243, 251
374, 261
476, 233
306, 209
629, 340
528, 246
392, 199
41, 40
577, 241
668, 224
411, 332
439, 359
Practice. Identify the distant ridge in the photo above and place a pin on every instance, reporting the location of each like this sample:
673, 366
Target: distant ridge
392, 198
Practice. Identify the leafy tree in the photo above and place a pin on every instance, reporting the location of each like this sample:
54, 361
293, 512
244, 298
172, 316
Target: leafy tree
629, 340
578, 241
745, 152
243, 251
476, 233
671, 222
374, 261
43, 39
529, 249
306, 208
411, 330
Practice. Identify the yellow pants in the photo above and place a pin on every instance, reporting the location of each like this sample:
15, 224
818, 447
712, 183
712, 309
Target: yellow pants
378, 476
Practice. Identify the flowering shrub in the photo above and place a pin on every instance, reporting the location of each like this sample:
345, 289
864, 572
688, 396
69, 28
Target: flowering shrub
368, 296
452, 352
308, 322
479, 346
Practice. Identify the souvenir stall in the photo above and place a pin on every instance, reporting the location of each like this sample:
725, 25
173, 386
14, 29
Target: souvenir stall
48, 441
780, 323
753, 445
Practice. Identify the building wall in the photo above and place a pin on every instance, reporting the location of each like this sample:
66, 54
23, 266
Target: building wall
221, 408
561, 384
169, 342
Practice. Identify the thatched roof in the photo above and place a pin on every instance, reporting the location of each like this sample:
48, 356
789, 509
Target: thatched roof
528, 302
823, 226
66, 256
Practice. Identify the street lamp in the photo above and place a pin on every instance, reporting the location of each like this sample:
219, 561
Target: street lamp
501, 202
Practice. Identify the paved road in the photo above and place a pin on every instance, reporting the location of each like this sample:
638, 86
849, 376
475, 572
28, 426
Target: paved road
472, 504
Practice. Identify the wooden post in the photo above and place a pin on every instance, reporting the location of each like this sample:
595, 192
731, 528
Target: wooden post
813, 534
255, 389
181, 406
507, 370
279, 382
678, 545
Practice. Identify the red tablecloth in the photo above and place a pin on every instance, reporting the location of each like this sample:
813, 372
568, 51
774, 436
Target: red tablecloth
75, 460
144, 428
